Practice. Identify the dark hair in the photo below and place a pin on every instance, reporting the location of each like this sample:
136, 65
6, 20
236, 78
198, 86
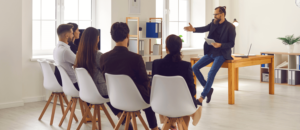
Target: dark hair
86, 55
119, 31
174, 44
75, 27
63, 28
222, 9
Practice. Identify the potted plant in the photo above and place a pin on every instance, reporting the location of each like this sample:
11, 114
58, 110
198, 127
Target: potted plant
181, 38
290, 40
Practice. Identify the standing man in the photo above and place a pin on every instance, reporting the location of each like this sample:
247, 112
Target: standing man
224, 34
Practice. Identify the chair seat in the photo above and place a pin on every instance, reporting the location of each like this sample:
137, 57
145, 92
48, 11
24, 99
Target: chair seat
131, 108
55, 89
95, 100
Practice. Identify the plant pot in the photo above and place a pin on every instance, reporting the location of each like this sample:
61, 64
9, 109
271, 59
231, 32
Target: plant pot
290, 48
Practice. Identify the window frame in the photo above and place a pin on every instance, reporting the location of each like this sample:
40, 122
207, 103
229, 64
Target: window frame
59, 19
187, 43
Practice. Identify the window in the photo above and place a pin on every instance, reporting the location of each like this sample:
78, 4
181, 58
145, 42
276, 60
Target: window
47, 15
177, 16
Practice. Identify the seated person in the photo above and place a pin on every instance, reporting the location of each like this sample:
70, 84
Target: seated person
62, 53
88, 57
172, 65
73, 47
121, 61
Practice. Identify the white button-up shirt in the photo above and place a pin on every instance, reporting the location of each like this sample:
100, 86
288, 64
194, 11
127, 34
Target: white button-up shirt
64, 57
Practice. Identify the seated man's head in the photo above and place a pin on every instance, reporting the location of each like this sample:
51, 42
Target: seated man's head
120, 33
173, 47
65, 32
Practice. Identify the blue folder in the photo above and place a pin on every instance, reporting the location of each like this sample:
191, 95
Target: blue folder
152, 29
262, 65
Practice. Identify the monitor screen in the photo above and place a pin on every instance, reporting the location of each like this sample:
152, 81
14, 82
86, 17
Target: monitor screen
81, 31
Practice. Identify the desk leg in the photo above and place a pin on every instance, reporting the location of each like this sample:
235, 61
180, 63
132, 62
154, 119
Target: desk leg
231, 82
237, 79
271, 77
195, 79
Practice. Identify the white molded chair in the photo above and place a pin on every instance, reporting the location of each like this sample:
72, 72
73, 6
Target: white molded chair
69, 89
50, 83
89, 93
124, 95
171, 97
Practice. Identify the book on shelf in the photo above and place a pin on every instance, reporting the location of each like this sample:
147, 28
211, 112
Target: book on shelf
298, 62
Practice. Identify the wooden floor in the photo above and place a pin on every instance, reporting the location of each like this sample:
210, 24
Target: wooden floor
254, 109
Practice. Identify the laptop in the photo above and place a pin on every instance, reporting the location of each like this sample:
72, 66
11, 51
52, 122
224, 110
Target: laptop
244, 56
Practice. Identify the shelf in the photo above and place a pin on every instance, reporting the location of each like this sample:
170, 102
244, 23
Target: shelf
151, 55
281, 69
134, 38
264, 67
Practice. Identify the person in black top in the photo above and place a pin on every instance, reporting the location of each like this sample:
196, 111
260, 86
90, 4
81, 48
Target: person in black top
172, 65
224, 34
73, 47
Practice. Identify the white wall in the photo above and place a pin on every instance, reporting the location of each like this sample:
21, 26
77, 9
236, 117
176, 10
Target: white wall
32, 78
103, 22
261, 22
11, 53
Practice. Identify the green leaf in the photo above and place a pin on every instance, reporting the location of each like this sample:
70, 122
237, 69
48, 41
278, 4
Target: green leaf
180, 35
182, 40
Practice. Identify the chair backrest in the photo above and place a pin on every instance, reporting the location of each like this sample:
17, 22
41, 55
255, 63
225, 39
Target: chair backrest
50, 81
88, 90
123, 93
68, 86
171, 97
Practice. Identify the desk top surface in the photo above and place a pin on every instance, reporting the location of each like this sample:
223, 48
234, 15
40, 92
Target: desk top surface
239, 59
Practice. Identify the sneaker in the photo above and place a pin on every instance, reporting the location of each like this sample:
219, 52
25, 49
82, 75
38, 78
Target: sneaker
209, 95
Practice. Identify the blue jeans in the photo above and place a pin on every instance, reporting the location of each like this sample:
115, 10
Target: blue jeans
204, 61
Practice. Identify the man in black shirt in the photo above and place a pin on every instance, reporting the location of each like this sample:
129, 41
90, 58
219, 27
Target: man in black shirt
224, 34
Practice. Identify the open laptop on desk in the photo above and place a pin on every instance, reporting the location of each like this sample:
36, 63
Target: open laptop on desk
243, 56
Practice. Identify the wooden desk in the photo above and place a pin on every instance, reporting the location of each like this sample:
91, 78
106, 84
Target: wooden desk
233, 71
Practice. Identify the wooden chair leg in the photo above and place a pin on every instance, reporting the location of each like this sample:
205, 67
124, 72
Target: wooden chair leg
61, 103
133, 121
66, 100
94, 119
84, 116
46, 106
179, 124
128, 115
99, 116
142, 120
66, 112
108, 116
82, 109
72, 113
53, 109
167, 124
120, 121
185, 126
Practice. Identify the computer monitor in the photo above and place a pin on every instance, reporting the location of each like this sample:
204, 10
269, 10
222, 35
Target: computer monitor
81, 32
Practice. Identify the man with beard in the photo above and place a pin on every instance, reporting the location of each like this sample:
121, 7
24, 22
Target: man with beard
224, 34
62, 53
121, 61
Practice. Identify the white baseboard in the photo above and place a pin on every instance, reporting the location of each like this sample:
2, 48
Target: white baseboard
11, 104
33, 99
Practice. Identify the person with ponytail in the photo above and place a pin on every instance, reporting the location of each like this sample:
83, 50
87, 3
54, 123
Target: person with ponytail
172, 65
